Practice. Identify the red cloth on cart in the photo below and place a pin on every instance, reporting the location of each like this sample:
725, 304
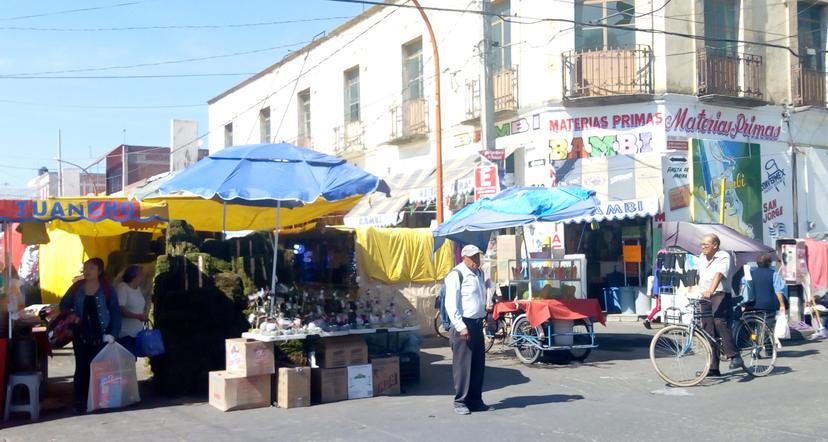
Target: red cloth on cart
542, 310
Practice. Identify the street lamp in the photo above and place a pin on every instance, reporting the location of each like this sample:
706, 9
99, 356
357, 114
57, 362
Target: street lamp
84, 170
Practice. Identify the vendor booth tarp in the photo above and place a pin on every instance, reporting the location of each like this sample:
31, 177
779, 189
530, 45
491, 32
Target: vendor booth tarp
206, 215
61, 259
514, 207
402, 255
688, 236
628, 186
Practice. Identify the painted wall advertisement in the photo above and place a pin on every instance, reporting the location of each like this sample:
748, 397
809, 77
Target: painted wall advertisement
757, 196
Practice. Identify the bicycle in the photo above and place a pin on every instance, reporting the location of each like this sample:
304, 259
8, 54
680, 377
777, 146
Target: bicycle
438, 326
682, 354
503, 328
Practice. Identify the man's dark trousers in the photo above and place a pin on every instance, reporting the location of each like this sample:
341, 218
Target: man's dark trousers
468, 364
719, 307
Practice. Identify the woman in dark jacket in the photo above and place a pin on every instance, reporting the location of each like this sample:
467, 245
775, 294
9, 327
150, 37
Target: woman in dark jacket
93, 301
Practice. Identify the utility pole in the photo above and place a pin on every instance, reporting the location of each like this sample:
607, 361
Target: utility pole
60, 166
438, 132
487, 133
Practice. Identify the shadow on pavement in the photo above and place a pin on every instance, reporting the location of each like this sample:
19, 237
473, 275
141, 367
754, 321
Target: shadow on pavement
436, 380
528, 401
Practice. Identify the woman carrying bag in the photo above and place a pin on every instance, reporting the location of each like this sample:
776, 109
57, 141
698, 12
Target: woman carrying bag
132, 305
92, 300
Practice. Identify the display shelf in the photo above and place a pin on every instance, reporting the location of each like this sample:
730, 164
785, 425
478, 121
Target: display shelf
569, 271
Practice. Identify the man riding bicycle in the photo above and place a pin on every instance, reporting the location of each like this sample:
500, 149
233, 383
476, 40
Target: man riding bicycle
714, 268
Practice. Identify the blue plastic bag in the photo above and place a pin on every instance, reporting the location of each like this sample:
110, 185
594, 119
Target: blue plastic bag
148, 343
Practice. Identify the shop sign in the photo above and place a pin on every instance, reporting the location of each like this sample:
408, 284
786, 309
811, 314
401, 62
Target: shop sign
90, 210
702, 122
486, 182
493, 154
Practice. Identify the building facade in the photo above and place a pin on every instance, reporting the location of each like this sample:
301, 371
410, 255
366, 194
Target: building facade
127, 164
76, 182
653, 104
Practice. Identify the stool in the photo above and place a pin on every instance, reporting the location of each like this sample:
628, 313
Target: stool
31, 380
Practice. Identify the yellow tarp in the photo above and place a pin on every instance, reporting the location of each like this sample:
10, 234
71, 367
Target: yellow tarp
206, 215
61, 259
396, 255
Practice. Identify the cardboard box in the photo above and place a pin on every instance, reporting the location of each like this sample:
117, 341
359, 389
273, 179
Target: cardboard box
341, 352
293, 387
385, 374
329, 385
231, 392
248, 357
509, 247
360, 384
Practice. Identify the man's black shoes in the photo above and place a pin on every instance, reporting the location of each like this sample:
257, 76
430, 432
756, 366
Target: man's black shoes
736, 363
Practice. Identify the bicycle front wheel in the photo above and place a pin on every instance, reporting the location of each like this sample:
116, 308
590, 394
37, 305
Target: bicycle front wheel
756, 345
681, 359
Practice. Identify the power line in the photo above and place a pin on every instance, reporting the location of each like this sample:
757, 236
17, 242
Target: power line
72, 11
159, 63
118, 77
92, 106
173, 27
536, 20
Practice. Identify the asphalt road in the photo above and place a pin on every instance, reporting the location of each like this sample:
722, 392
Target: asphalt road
614, 395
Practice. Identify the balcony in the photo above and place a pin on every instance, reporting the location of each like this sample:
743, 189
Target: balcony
730, 77
303, 140
608, 76
349, 140
409, 121
505, 92
808, 87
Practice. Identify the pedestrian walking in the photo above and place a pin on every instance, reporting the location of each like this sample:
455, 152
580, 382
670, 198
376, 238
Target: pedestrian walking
466, 308
714, 268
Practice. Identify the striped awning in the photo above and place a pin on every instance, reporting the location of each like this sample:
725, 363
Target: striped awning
628, 186
458, 178
379, 210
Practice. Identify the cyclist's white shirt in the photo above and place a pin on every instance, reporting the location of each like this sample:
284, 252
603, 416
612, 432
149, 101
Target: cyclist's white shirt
708, 269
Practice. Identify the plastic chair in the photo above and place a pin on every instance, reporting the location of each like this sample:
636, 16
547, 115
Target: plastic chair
31, 380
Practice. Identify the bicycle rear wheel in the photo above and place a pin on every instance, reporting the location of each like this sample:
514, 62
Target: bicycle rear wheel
679, 358
756, 346
488, 340
438, 326
584, 328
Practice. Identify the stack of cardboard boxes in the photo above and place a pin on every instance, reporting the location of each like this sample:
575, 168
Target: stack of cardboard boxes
245, 383
251, 379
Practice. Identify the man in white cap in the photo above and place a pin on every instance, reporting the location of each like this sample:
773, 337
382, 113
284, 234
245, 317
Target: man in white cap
466, 308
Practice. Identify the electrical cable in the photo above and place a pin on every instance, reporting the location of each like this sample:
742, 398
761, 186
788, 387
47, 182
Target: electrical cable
173, 27
72, 11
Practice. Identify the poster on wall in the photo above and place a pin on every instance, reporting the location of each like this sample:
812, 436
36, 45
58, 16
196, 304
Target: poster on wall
676, 173
740, 165
777, 196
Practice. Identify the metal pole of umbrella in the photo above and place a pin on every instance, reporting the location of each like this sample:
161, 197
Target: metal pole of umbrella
223, 220
7, 245
275, 255
528, 265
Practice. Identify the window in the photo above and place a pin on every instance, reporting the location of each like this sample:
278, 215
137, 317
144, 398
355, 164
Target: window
412, 70
304, 104
228, 134
501, 37
811, 36
589, 13
721, 22
264, 126
352, 95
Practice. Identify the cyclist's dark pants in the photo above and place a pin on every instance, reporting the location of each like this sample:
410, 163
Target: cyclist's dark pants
716, 326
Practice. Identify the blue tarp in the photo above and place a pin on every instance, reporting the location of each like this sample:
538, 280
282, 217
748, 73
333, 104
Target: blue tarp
514, 207
262, 174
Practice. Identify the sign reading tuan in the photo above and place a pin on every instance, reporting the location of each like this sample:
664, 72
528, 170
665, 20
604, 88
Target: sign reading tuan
91, 210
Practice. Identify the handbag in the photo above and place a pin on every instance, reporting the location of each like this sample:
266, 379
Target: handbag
148, 342
61, 330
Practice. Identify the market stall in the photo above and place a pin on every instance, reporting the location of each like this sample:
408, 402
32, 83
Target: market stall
516, 207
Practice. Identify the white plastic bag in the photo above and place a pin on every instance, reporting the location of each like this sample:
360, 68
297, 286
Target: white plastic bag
113, 382
781, 330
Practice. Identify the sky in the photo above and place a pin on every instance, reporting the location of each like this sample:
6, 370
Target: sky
50, 38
